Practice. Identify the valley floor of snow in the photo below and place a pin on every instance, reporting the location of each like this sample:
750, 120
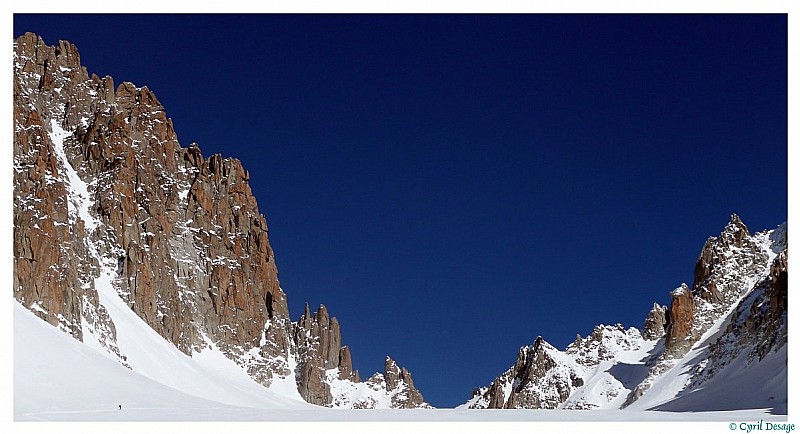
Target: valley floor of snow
232, 414
57, 378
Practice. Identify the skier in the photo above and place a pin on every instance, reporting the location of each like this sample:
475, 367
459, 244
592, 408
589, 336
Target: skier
120, 406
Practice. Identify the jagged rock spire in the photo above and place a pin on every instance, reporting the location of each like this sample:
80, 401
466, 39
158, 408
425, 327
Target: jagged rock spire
655, 324
399, 379
178, 235
681, 319
728, 267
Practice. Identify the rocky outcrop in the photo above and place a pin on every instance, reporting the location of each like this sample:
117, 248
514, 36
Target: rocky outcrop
533, 381
326, 376
681, 320
394, 388
726, 262
346, 371
757, 327
318, 341
724, 272
46, 268
655, 325
545, 377
613, 367
127, 203
107, 203
604, 343
729, 267
399, 379
769, 330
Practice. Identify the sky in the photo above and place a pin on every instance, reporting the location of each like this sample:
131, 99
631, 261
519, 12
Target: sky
453, 186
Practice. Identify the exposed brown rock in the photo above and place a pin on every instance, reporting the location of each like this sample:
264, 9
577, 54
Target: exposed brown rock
399, 378
496, 395
681, 317
656, 322
46, 272
758, 325
346, 365
530, 381
166, 215
391, 373
179, 235
711, 283
318, 340
772, 331
724, 272
312, 385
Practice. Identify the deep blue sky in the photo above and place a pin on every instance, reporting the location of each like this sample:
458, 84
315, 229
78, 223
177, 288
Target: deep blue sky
452, 186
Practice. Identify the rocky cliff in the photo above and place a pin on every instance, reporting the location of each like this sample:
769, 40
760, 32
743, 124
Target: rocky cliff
546, 377
108, 205
735, 310
730, 268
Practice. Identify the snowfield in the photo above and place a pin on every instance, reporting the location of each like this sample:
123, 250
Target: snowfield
765, 384
71, 381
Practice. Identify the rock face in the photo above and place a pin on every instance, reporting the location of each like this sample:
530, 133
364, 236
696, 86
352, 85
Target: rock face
545, 377
757, 328
656, 322
394, 388
399, 380
728, 268
681, 319
318, 340
107, 203
161, 222
740, 286
538, 385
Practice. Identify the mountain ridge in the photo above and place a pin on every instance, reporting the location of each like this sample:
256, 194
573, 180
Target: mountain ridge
125, 218
123, 213
736, 307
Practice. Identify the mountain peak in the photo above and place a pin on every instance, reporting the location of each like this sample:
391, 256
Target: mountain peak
735, 230
614, 368
655, 324
131, 221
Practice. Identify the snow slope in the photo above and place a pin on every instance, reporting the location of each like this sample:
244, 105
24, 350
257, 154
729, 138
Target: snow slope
207, 374
737, 358
739, 384
765, 386
735, 379
608, 384
72, 380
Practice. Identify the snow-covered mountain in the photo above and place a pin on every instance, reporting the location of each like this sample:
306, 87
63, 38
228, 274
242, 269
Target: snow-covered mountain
725, 334
84, 384
55, 377
143, 250
155, 261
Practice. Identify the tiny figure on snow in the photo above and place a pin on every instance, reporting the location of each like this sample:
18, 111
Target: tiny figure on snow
120, 406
